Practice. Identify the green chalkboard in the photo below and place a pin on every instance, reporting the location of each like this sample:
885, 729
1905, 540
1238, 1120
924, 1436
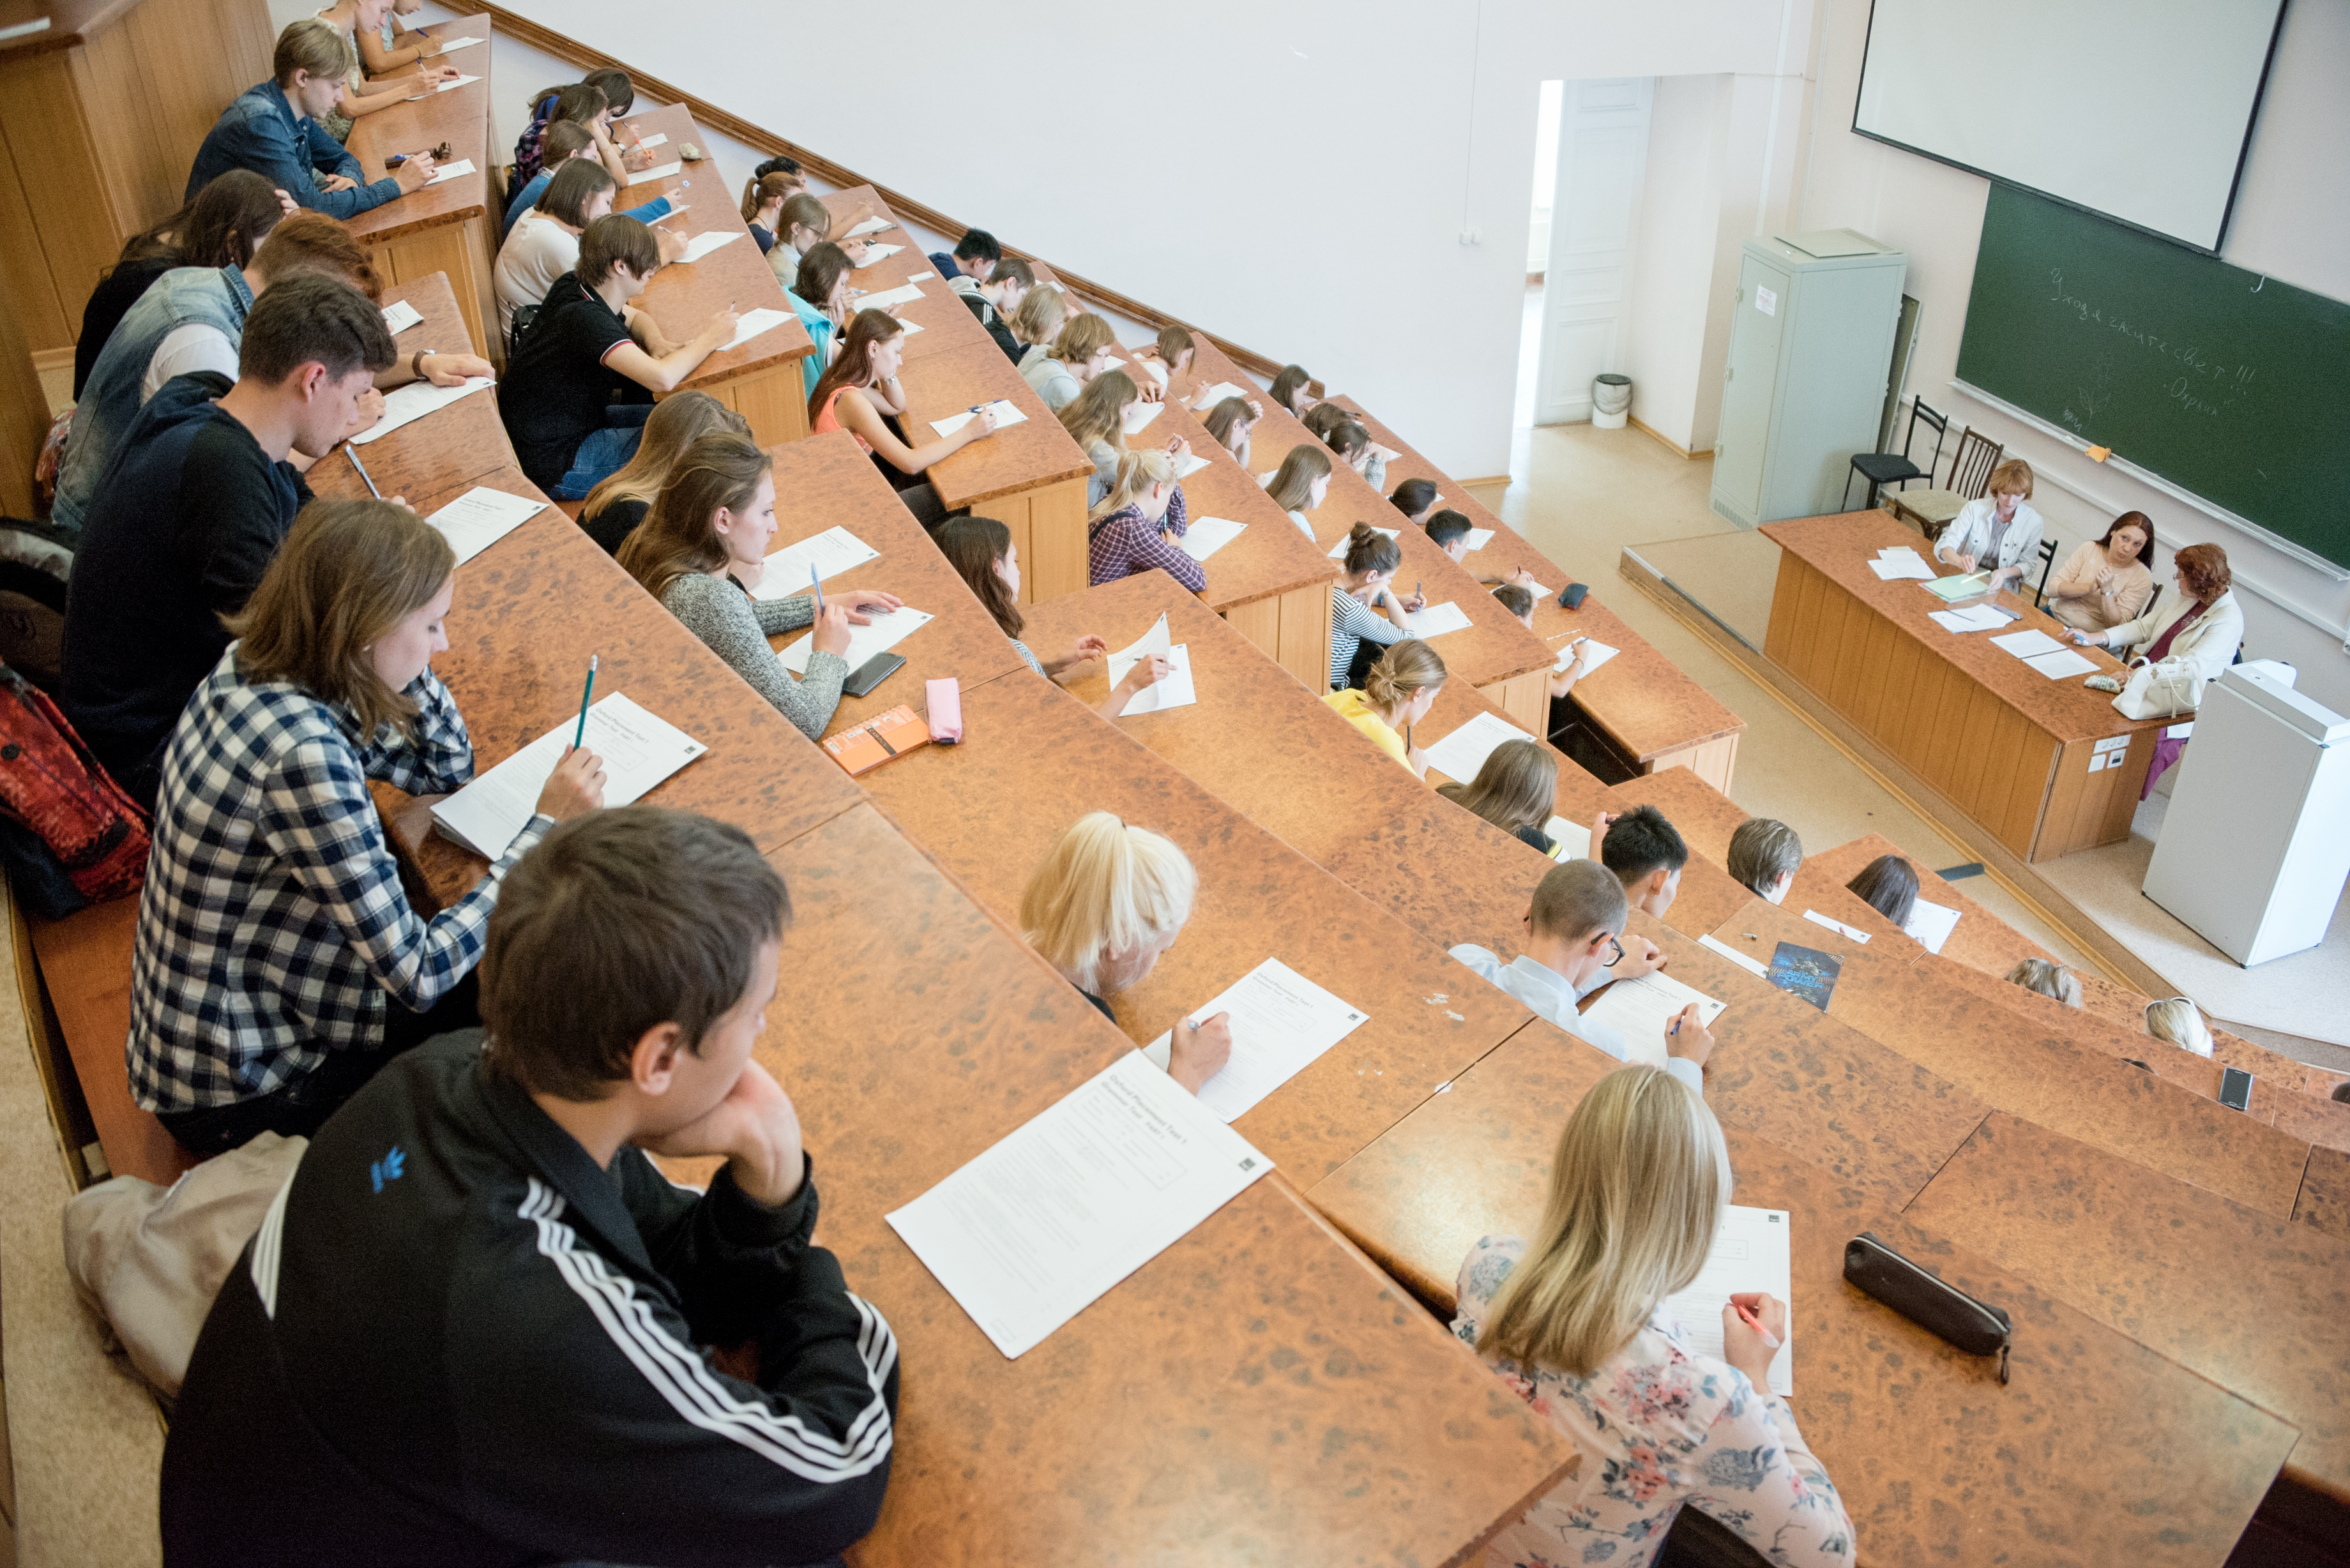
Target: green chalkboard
2225, 383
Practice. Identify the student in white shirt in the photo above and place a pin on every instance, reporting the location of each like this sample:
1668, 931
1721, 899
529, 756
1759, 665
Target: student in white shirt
1080, 353
544, 243
1764, 855
1997, 533
1572, 929
1300, 484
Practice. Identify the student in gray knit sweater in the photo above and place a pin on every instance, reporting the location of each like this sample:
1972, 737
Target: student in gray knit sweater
700, 552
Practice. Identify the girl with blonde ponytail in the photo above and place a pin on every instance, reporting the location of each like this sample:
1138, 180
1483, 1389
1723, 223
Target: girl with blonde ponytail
1132, 528
1096, 420
1106, 900
1396, 694
1574, 1321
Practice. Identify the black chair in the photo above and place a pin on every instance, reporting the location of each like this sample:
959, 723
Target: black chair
1896, 468
2047, 564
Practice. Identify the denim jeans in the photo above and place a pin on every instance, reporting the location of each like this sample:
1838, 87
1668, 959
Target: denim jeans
606, 451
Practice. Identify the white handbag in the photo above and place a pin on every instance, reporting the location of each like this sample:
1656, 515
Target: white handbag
2159, 690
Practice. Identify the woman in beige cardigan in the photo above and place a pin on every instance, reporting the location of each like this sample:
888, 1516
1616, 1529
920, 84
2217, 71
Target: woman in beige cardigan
2109, 582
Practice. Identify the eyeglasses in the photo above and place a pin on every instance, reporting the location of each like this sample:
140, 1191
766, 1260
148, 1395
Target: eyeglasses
1619, 952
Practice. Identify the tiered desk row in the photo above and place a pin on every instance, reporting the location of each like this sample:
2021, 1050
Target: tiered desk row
2179, 1272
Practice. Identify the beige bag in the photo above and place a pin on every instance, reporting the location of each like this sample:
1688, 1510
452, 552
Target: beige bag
149, 1260
2159, 690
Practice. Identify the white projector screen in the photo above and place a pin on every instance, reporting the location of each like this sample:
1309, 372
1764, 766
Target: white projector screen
2136, 109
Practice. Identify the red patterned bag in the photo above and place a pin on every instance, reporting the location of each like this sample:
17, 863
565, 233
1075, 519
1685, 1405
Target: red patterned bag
52, 786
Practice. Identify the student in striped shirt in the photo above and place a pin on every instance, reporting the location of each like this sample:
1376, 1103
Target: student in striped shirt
1367, 585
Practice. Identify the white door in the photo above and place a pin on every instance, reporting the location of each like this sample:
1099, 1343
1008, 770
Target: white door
1603, 150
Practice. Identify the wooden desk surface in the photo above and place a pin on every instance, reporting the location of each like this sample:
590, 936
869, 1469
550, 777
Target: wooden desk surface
1841, 547
1578, 796
889, 271
1705, 818
825, 482
1034, 760
1273, 556
530, 610
447, 447
2095, 1442
2255, 1303
1275, 754
460, 117
1640, 697
1015, 458
684, 295
2019, 1064
1980, 938
1231, 1360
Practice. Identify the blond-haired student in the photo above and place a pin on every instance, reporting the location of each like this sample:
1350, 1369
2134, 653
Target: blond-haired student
1081, 352
1515, 790
1398, 693
1133, 529
1996, 532
1107, 900
1573, 1319
620, 503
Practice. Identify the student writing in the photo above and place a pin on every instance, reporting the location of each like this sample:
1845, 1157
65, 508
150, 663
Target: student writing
619, 503
1573, 924
544, 244
1038, 321
997, 300
222, 227
1103, 906
2109, 583
360, 96
564, 142
1080, 353
1516, 790
1450, 531
982, 554
1996, 531
1300, 484
183, 527
972, 259
1888, 885
1645, 853
1764, 856
1574, 1320
1519, 600
593, 103
278, 964
486, 1209
554, 400
703, 550
1416, 499
805, 222
1345, 435
1096, 420
763, 207
1366, 582
1401, 689
1134, 527
861, 387
392, 47
822, 297
1231, 422
1289, 392
272, 129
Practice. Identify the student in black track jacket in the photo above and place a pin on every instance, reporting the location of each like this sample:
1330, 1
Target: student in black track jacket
468, 1329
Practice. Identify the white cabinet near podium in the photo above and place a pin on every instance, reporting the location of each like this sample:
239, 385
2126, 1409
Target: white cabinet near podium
2256, 845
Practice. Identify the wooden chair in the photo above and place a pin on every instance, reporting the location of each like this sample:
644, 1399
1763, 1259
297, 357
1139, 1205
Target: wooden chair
1898, 468
1931, 510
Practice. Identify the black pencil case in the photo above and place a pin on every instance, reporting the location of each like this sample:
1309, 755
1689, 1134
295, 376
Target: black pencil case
1926, 1300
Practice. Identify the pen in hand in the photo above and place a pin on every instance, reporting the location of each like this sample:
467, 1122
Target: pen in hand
580, 735
353, 453
1768, 1339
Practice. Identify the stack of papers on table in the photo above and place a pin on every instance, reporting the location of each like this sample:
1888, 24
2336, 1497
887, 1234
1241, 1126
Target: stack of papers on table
1897, 563
883, 631
1438, 619
879, 252
1337, 552
2028, 644
1460, 754
752, 323
481, 517
1281, 1023
1046, 1222
1642, 1009
1950, 589
1974, 618
1931, 923
1175, 691
1751, 1252
1004, 412
1206, 535
701, 245
638, 750
405, 405
658, 172
2062, 663
825, 554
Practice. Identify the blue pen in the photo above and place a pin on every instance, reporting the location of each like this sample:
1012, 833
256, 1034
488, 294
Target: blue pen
353, 453
579, 736
817, 583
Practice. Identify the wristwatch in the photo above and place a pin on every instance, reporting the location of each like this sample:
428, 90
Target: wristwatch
416, 363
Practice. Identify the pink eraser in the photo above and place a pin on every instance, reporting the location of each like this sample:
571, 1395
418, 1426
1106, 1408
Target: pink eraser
946, 709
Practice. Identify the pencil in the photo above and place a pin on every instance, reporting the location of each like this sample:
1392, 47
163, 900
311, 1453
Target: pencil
353, 453
579, 736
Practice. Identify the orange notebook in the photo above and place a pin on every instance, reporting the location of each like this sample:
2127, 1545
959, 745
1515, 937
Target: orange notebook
885, 735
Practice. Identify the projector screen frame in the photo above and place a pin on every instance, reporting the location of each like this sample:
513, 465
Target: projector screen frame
2235, 179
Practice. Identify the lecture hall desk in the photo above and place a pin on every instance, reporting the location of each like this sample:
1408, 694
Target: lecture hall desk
2097, 1451
1255, 1392
439, 452
1034, 758
1500, 658
761, 380
453, 226
2007, 746
1654, 715
2038, 1067
946, 323
1700, 813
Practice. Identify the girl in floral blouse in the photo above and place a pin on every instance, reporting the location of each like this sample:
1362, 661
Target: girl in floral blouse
1573, 1321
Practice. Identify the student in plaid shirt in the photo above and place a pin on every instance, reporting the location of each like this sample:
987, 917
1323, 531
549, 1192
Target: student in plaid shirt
273, 937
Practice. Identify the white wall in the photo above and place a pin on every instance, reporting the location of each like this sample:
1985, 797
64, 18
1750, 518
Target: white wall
2293, 222
1359, 124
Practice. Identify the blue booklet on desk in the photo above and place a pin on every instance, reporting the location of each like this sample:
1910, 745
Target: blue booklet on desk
1804, 972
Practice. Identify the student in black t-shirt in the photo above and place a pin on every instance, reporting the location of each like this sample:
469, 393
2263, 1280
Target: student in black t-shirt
191, 509
561, 398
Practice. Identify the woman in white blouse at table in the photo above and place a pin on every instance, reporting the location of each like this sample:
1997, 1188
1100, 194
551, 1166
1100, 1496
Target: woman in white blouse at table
1996, 532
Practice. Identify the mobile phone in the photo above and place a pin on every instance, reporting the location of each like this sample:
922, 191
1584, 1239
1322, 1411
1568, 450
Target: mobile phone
871, 673
2236, 1089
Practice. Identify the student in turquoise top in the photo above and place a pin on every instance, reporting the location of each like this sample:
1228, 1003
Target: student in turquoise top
823, 274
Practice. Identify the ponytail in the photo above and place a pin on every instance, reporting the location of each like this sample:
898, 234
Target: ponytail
1368, 550
1405, 670
1138, 471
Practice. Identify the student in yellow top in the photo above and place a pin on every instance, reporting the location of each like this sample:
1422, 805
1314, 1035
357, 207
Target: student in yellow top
1396, 694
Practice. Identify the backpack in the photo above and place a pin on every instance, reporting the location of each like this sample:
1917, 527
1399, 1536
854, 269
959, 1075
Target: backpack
74, 836
35, 560
522, 316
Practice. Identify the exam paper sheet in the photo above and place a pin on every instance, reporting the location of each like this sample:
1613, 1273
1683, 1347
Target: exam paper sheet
400, 316
828, 554
1281, 1023
904, 294
877, 252
638, 750
883, 632
1600, 653
869, 226
406, 405
1460, 754
1048, 1221
701, 245
2028, 644
1005, 413
1137, 420
1642, 1009
1188, 464
2062, 663
1437, 620
752, 323
1206, 535
1478, 537
1574, 840
1217, 394
658, 172
481, 517
1931, 923
1751, 1252
1175, 691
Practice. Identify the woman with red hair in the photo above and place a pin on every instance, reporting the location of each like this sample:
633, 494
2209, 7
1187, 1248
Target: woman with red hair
2197, 623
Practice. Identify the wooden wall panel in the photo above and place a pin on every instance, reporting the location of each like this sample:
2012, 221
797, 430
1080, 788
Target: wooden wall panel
125, 133
57, 170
